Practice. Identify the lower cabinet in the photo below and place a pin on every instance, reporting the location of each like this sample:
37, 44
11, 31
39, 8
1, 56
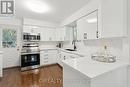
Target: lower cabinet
48, 57
52, 56
66, 55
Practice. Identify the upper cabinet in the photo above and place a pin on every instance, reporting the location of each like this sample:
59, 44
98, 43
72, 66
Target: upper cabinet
47, 34
69, 33
113, 18
60, 34
87, 26
50, 34
101, 19
31, 29
64, 33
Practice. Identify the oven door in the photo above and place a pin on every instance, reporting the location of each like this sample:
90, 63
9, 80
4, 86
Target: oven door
30, 60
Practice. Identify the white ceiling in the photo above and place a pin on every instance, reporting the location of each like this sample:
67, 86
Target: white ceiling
60, 9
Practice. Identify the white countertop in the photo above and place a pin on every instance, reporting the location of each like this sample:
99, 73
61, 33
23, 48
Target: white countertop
1, 52
91, 68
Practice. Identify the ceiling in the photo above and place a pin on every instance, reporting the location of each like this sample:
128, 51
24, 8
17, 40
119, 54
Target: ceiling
59, 9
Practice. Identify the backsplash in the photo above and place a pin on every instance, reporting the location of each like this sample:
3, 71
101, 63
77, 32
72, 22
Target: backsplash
114, 45
48, 45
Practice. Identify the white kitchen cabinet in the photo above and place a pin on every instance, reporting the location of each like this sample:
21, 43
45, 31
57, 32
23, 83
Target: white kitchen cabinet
48, 57
48, 34
43, 34
53, 56
113, 18
1, 65
60, 34
69, 33
87, 27
31, 29
68, 55
111, 21
64, 34
51, 34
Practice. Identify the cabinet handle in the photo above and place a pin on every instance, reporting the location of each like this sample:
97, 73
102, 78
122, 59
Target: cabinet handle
85, 36
97, 34
64, 58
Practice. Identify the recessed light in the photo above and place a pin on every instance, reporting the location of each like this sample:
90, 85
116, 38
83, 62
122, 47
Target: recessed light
37, 6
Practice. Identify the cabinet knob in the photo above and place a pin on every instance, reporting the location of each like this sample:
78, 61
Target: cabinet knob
97, 34
64, 58
85, 36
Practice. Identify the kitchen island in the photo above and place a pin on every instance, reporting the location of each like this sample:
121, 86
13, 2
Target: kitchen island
84, 72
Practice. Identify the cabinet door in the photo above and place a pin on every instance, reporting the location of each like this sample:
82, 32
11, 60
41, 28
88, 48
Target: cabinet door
43, 34
31, 29
57, 34
44, 58
47, 34
60, 34
51, 34
68, 34
113, 13
53, 56
80, 28
87, 26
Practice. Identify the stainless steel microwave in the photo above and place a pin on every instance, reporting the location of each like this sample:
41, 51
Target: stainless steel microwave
31, 37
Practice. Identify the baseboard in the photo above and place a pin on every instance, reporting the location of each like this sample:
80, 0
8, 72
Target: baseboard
50, 65
11, 67
39, 67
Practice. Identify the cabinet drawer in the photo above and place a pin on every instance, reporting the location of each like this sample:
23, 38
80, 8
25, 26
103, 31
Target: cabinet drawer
46, 58
46, 51
46, 61
45, 55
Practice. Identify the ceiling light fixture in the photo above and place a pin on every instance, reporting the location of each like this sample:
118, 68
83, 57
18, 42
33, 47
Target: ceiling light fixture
37, 6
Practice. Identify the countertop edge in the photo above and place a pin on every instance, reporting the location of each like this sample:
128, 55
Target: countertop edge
91, 77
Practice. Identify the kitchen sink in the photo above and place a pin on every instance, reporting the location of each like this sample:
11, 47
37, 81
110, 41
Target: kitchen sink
70, 49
